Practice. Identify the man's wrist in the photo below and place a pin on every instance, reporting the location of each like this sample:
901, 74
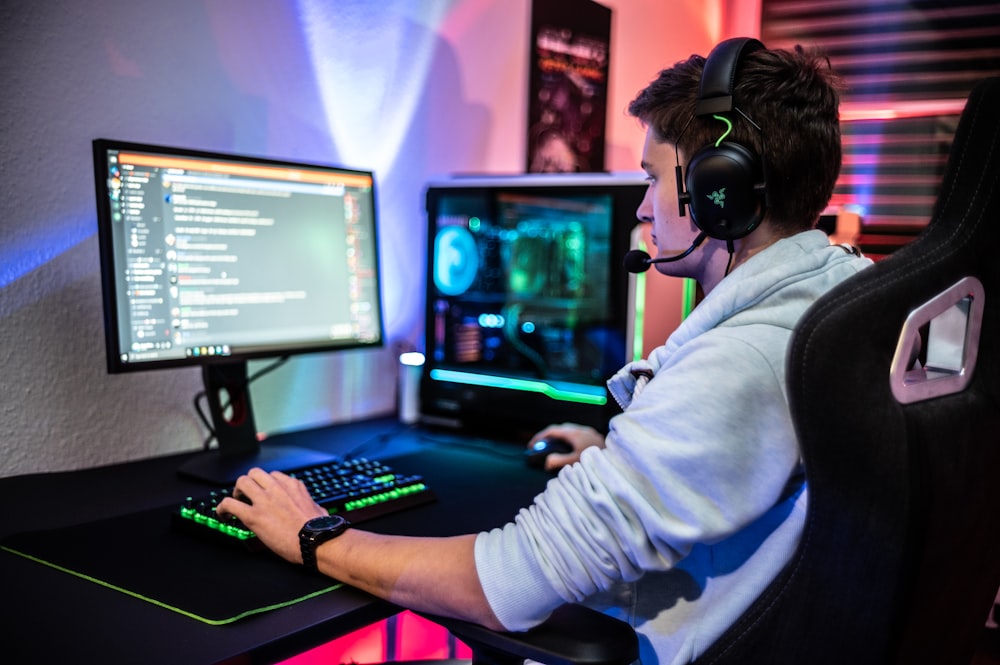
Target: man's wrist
317, 531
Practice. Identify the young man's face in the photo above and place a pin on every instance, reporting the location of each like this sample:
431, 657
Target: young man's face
672, 234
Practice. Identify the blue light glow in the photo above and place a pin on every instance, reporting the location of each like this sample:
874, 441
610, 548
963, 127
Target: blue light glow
23, 254
487, 320
372, 63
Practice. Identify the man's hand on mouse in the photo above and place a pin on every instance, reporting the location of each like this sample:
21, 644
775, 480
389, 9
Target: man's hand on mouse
579, 437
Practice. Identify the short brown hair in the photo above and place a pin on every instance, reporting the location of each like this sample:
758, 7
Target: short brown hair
792, 95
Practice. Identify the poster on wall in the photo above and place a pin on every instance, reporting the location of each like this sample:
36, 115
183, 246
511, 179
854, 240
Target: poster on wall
568, 86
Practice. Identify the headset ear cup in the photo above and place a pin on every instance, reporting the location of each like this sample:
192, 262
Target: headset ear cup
725, 188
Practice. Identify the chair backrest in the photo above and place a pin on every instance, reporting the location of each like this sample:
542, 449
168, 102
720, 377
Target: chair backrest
900, 557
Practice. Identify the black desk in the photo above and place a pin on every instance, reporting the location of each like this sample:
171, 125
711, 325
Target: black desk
49, 616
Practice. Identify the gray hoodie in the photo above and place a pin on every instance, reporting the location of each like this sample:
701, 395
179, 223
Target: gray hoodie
696, 502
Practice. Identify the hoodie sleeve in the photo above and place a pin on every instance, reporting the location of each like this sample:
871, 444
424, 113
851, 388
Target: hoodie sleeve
685, 464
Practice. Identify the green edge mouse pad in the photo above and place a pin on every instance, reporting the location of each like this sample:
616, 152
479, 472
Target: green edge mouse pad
142, 556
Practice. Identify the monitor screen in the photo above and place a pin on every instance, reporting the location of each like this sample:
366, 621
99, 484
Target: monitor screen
528, 306
212, 259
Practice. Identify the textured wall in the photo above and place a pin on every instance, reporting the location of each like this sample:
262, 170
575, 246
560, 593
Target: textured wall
408, 89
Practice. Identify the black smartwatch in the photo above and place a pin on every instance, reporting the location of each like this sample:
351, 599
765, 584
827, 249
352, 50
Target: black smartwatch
317, 531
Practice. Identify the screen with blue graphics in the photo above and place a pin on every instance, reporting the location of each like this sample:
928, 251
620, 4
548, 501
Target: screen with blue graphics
527, 302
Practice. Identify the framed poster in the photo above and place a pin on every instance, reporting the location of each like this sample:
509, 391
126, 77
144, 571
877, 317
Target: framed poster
568, 86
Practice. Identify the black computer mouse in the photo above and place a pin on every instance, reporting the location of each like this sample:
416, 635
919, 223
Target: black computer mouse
535, 454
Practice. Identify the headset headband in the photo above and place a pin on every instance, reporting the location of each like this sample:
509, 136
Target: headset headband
719, 76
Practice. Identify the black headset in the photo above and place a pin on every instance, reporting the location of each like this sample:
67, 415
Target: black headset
726, 188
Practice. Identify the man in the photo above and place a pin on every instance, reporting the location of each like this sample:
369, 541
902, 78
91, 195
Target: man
694, 500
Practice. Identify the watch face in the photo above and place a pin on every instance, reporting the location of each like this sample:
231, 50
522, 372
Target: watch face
324, 523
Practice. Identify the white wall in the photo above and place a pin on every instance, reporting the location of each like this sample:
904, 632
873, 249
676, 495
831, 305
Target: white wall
409, 89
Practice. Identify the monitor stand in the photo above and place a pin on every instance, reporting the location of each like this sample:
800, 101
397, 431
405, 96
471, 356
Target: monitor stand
239, 449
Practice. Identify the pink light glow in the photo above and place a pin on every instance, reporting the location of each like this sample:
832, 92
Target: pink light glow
852, 112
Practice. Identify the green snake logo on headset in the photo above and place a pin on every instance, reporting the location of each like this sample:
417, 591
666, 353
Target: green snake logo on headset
718, 197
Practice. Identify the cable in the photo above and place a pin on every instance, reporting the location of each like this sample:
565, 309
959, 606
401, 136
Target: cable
729, 264
201, 394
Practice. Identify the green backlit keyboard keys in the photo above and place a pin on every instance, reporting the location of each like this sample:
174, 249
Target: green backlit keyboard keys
359, 489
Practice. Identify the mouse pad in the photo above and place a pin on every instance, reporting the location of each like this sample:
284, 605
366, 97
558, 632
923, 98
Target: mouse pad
142, 556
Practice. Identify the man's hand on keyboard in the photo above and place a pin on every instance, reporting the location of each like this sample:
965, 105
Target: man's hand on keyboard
274, 506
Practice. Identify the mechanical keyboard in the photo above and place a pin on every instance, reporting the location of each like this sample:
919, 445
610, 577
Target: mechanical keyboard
359, 489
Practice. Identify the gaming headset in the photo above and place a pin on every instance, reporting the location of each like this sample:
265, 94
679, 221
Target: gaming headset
725, 182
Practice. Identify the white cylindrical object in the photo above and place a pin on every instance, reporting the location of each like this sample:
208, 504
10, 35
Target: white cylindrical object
411, 366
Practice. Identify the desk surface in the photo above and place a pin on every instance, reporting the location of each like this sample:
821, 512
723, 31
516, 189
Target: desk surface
49, 615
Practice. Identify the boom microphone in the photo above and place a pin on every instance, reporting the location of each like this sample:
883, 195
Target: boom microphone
637, 261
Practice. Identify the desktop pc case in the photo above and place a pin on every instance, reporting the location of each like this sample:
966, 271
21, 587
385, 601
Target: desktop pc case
528, 308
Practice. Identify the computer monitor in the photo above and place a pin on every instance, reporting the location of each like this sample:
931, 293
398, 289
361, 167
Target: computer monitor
528, 307
210, 260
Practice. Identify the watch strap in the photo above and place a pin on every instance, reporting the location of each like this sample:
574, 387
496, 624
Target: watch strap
310, 538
